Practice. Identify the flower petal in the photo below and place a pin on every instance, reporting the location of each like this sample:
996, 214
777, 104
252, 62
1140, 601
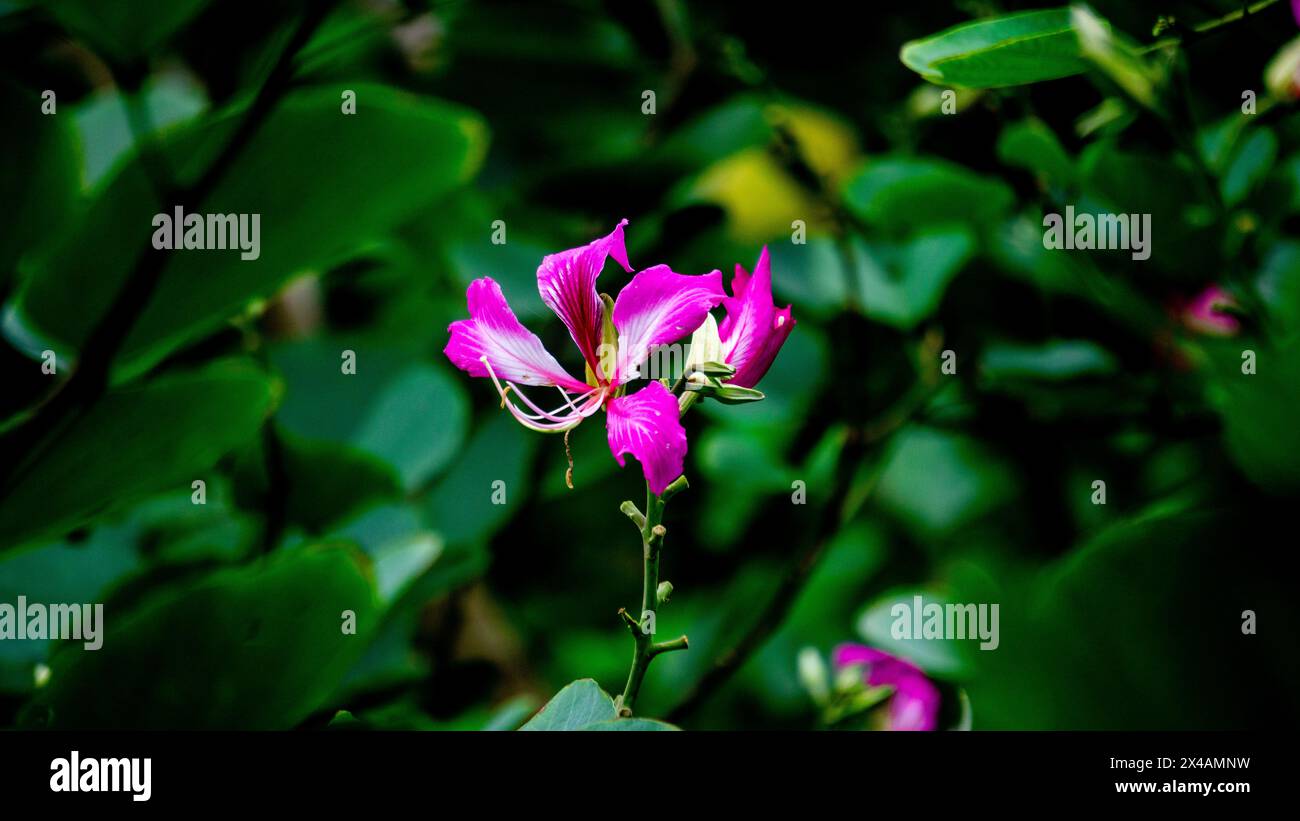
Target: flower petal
493, 331
658, 307
914, 705
567, 283
646, 424
915, 702
754, 329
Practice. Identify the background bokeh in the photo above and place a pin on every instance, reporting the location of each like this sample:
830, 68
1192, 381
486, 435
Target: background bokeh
373, 492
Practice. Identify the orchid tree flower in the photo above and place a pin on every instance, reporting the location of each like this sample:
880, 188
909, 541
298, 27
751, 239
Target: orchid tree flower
746, 341
914, 704
615, 337
657, 307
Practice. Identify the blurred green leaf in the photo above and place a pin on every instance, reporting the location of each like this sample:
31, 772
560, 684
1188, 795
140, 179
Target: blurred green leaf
43, 196
416, 424
936, 482
901, 284
105, 127
256, 647
1032, 145
60, 572
1279, 287
133, 441
904, 193
1082, 650
324, 483
125, 31
1251, 162
407, 413
361, 178
1054, 361
947, 657
1015, 49
468, 504
1258, 411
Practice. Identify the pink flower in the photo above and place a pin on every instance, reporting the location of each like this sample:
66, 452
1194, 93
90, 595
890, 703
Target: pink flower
656, 308
915, 702
1205, 312
754, 329
1295, 11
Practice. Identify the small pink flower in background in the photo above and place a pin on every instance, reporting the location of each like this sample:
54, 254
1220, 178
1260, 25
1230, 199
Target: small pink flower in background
657, 307
1295, 10
915, 702
1205, 313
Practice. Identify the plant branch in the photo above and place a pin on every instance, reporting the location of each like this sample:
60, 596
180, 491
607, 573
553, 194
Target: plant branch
652, 539
1207, 28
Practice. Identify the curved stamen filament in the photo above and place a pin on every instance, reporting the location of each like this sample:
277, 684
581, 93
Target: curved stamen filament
554, 422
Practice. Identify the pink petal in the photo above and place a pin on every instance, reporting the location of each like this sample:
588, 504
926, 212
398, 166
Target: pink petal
658, 307
646, 424
915, 702
754, 329
1205, 312
567, 283
914, 705
515, 353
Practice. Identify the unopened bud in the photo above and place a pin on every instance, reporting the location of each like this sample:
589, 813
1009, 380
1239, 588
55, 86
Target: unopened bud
664, 591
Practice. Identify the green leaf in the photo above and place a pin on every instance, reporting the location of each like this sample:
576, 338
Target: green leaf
42, 196
1054, 361
1030, 144
963, 481
740, 459
1123, 182
1259, 411
60, 572
408, 413
577, 706
582, 705
467, 504
948, 657
811, 276
361, 178
1027, 47
124, 30
254, 647
1279, 287
325, 483
902, 284
132, 442
632, 725
106, 133
417, 423
1250, 164
902, 193
1141, 628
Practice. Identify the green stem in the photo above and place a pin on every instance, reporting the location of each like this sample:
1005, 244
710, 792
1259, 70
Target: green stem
1198, 31
652, 540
